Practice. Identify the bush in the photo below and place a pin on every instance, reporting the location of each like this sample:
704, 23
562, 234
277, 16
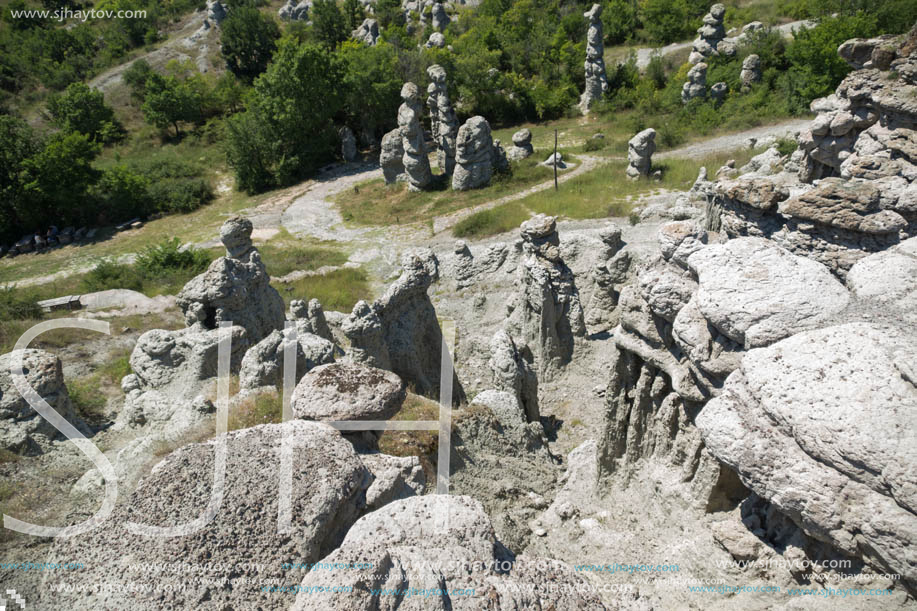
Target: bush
248, 40
16, 304
168, 256
81, 109
180, 195
111, 275
123, 194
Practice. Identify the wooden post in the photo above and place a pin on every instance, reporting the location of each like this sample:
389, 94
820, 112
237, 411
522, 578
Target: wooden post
555, 160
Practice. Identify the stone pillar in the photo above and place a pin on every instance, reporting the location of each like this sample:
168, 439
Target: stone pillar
416, 163
596, 82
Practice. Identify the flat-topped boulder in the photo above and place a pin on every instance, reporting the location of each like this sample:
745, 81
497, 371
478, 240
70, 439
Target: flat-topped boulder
348, 391
821, 424
756, 293
846, 204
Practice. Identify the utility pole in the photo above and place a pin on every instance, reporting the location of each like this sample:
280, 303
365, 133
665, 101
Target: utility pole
555, 160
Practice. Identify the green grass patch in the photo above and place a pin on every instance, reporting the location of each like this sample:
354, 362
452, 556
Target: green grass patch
338, 290
284, 254
492, 221
264, 408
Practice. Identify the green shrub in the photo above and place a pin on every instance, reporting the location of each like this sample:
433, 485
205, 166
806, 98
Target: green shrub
786, 146
593, 144
111, 275
87, 398
168, 256
17, 304
180, 195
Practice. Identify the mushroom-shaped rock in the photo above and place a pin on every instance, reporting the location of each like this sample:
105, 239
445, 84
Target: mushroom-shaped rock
348, 391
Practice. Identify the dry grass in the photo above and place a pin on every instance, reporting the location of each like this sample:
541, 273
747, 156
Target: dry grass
423, 444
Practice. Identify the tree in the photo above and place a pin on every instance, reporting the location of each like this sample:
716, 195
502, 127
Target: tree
330, 26
287, 130
248, 42
17, 143
619, 20
169, 101
372, 86
57, 181
82, 109
666, 21
135, 76
353, 14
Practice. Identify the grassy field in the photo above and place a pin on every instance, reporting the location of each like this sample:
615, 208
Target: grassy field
285, 253
337, 290
374, 203
599, 193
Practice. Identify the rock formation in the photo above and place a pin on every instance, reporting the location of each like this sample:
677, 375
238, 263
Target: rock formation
473, 155
416, 163
22, 430
216, 11
348, 391
443, 122
439, 18
513, 372
262, 366
310, 318
235, 288
865, 130
546, 314
522, 145
391, 157
709, 35
718, 92
640, 151
400, 331
405, 537
436, 40
751, 71
367, 33
696, 85
610, 273
293, 11
790, 422
179, 490
596, 81
348, 144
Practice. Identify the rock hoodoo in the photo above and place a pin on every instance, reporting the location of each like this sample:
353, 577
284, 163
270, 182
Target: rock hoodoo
348, 144
293, 11
751, 71
710, 35
367, 33
474, 155
235, 288
696, 85
546, 313
596, 81
416, 163
391, 157
522, 145
640, 151
443, 122
22, 430
439, 19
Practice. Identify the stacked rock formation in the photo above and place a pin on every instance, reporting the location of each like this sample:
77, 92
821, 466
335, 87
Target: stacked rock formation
391, 157
710, 35
500, 162
596, 80
751, 71
640, 151
864, 129
473, 155
546, 314
522, 145
609, 275
367, 33
416, 163
216, 11
861, 147
439, 18
696, 85
400, 331
443, 122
